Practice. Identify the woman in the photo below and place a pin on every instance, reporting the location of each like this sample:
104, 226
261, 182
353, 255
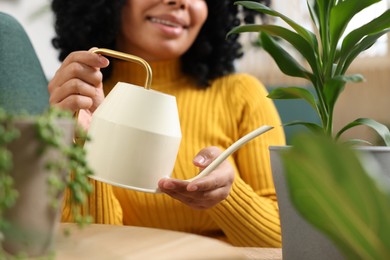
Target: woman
185, 43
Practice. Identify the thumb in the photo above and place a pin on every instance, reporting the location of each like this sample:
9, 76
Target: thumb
206, 156
102, 60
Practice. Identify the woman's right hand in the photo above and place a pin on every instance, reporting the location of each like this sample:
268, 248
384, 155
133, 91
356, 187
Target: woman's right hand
77, 84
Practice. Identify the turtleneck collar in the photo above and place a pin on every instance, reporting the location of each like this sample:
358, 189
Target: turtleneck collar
164, 74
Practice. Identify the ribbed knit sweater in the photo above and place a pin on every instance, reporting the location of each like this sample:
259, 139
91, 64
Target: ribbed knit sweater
217, 116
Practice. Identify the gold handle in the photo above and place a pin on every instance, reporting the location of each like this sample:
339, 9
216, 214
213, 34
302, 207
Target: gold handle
128, 57
122, 56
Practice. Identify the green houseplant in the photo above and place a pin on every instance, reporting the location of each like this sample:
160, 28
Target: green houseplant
38, 161
327, 53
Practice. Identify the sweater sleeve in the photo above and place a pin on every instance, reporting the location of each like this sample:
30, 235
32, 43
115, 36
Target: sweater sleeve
250, 216
102, 205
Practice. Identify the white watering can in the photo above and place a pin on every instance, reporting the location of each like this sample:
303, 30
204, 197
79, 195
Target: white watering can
135, 135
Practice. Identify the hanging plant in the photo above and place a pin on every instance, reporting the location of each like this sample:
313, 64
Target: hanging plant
69, 170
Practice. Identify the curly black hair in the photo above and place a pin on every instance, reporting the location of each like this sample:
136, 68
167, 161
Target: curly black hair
82, 24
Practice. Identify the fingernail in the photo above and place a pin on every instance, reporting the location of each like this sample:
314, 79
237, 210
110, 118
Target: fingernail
199, 159
192, 188
103, 60
169, 186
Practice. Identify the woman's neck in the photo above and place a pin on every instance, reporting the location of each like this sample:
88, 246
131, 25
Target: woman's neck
163, 72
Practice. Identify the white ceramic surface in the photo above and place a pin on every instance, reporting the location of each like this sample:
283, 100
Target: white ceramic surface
135, 136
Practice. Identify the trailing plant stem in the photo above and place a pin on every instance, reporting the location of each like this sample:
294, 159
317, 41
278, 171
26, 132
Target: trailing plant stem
50, 138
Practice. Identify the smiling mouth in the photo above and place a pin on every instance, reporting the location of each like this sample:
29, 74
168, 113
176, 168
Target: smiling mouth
166, 22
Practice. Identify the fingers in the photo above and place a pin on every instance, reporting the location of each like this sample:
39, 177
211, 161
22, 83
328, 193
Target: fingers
83, 65
204, 192
220, 177
206, 156
74, 94
78, 82
177, 189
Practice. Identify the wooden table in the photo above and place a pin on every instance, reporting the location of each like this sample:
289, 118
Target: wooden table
261, 253
127, 242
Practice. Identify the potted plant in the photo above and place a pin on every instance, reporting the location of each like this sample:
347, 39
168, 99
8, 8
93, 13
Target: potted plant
37, 158
327, 53
328, 62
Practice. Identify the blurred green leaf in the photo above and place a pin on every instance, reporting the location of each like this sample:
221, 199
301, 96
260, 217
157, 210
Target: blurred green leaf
286, 63
308, 35
375, 27
293, 93
379, 128
341, 15
366, 43
331, 189
334, 86
311, 126
296, 40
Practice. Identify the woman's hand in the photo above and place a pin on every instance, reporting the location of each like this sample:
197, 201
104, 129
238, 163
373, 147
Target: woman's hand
77, 84
204, 192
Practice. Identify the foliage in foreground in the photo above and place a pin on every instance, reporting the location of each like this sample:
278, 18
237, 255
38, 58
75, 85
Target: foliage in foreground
332, 190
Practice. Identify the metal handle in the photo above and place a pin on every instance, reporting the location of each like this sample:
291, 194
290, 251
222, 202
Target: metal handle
128, 57
122, 56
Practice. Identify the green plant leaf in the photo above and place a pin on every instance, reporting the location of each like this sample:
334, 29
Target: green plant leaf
365, 44
314, 128
381, 129
320, 12
327, 61
334, 87
331, 189
376, 26
308, 35
299, 43
353, 142
294, 93
341, 14
286, 63
314, 12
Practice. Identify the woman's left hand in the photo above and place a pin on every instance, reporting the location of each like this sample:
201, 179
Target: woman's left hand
205, 192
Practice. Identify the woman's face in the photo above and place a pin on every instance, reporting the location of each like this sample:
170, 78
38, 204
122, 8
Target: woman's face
160, 29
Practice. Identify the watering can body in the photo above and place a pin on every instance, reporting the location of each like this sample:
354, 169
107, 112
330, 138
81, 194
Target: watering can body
134, 138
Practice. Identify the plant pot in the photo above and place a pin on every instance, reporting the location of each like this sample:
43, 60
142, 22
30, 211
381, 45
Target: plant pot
301, 240
33, 219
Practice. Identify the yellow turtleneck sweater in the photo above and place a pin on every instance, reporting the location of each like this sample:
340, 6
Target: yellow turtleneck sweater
217, 116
